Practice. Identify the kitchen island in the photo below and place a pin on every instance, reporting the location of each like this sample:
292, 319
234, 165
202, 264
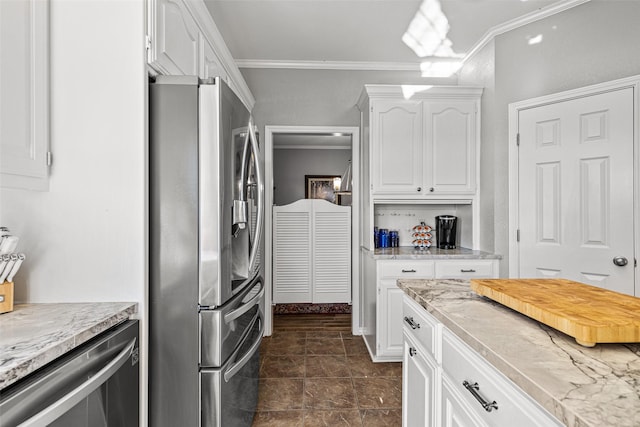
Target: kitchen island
579, 386
35, 334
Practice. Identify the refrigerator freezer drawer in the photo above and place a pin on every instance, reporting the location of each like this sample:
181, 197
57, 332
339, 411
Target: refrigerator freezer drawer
229, 394
222, 329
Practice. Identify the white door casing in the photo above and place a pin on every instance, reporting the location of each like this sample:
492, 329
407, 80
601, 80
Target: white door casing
574, 188
270, 131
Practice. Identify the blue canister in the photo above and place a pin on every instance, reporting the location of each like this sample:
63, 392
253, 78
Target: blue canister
394, 239
376, 237
384, 238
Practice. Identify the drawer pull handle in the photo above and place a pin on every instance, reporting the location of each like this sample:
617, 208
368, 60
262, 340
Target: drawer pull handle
473, 389
411, 322
412, 351
408, 271
471, 270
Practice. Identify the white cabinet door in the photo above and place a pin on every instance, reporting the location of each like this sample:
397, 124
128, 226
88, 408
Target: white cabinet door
454, 411
24, 94
420, 377
174, 38
450, 144
210, 65
396, 134
390, 319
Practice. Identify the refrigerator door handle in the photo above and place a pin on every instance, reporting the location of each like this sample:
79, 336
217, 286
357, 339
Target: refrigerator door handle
235, 367
260, 199
68, 401
240, 206
246, 306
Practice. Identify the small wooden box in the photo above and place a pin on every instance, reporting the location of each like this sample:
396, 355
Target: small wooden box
6, 297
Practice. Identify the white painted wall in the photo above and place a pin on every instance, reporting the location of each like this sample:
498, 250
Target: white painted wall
591, 43
86, 237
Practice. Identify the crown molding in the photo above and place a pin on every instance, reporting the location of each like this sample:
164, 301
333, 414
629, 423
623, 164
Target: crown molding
329, 65
199, 11
537, 15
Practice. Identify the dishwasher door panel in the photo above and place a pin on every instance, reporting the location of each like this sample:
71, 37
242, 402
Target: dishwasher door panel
95, 385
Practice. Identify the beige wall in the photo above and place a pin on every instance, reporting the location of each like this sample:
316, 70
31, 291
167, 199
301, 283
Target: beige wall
591, 43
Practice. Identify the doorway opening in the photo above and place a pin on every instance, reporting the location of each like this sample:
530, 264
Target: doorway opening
295, 156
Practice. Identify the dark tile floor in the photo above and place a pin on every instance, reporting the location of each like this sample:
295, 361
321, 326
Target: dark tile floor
315, 373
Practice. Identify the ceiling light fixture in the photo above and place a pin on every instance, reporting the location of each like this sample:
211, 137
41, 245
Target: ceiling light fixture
439, 68
427, 32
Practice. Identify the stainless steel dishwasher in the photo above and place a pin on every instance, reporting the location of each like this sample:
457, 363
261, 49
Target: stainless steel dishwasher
95, 385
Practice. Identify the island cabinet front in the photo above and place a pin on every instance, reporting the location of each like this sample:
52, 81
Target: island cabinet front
446, 382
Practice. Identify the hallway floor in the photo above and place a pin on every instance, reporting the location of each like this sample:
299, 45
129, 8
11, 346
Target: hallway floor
315, 373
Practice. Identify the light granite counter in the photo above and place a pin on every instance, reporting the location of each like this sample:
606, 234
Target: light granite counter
409, 252
581, 386
35, 334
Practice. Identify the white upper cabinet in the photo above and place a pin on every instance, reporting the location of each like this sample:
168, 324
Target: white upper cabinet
183, 40
175, 38
209, 62
396, 139
24, 94
450, 146
423, 140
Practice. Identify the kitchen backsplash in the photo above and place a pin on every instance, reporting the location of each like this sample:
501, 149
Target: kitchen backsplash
404, 217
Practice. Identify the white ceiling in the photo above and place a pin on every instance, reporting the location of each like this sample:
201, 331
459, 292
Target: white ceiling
350, 30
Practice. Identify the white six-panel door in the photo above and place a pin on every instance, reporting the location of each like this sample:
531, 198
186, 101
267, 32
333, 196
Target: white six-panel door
575, 195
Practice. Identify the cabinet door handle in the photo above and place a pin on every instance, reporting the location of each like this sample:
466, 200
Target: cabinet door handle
431, 189
473, 389
411, 322
408, 271
471, 270
412, 351
419, 189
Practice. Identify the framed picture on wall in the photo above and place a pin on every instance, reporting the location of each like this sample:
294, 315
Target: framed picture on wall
320, 187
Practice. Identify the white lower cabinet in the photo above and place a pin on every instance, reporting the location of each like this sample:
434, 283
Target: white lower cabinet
390, 333
453, 410
420, 375
467, 390
383, 329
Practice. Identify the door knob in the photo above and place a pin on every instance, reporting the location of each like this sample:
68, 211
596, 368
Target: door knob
620, 261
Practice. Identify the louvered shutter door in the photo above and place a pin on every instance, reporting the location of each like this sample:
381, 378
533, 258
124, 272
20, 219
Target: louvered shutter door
292, 253
331, 239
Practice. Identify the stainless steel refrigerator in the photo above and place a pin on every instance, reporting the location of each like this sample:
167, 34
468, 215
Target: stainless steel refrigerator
205, 232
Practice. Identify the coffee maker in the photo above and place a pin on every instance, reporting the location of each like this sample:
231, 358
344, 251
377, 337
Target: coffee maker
446, 231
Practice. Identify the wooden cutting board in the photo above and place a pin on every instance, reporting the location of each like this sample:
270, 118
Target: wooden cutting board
589, 314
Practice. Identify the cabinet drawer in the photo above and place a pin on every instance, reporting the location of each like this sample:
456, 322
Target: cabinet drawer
460, 269
460, 363
406, 269
422, 326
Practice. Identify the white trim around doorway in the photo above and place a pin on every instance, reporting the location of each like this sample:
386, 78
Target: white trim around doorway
354, 131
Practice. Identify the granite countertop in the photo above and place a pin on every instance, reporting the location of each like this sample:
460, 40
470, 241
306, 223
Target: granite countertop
35, 334
409, 252
594, 387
